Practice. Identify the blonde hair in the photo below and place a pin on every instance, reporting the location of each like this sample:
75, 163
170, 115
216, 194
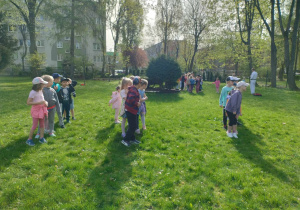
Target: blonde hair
144, 82
125, 81
47, 78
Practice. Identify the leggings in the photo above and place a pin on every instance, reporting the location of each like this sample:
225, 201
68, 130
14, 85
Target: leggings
35, 122
232, 118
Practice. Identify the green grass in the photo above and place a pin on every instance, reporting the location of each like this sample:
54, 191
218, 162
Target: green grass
185, 160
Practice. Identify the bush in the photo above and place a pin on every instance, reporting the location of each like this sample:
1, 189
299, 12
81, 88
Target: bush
163, 70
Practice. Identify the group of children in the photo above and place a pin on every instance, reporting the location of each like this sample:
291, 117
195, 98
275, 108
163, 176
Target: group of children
189, 81
47, 97
230, 100
130, 99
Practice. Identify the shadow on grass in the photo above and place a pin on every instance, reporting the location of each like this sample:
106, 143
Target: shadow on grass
103, 134
112, 173
246, 145
14, 150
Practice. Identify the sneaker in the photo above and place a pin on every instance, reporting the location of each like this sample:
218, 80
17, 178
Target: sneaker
126, 143
138, 131
229, 134
62, 126
37, 136
73, 118
68, 121
235, 135
117, 122
30, 142
42, 140
52, 135
135, 141
144, 128
123, 135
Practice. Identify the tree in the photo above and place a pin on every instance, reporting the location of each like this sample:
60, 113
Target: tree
272, 36
290, 55
163, 70
168, 13
8, 45
29, 10
197, 15
246, 25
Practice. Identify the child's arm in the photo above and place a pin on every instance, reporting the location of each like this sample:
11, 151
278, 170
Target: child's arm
30, 102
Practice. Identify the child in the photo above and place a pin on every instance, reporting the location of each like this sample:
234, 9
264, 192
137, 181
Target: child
197, 83
192, 83
38, 109
217, 83
201, 83
222, 101
126, 82
132, 105
56, 87
188, 82
64, 96
233, 108
142, 109
116, 102
53, 105
73, 84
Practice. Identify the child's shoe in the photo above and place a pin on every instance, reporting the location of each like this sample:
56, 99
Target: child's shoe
37, 136
123, 135
62, 126
144, 127
42, 140
235, 135
73, 118
30, 142
229, 134
126, 143
138, 131
135, 141
117, 122
52, 135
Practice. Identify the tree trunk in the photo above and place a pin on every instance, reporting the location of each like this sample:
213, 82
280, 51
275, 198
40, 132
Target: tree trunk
281, 72
31, 27
72, 41
273, 61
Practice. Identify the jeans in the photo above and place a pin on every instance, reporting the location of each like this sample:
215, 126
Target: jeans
132, 125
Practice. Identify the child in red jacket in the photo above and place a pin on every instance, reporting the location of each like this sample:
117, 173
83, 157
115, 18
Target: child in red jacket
132, 105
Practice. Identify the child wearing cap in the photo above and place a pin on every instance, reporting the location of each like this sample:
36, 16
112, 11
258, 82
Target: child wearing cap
64, 96
132, 105
222, 101
38, 109
233, 108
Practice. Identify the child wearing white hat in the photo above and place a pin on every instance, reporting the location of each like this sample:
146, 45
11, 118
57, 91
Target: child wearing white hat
233, 108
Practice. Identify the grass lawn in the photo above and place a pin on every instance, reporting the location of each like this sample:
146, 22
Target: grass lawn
185, 160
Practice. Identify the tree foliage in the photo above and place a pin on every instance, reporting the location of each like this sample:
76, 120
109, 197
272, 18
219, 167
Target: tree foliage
163, 70
8, 45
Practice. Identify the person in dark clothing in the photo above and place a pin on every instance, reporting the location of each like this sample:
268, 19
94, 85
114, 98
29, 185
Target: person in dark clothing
132, 105
64, 97
182, 82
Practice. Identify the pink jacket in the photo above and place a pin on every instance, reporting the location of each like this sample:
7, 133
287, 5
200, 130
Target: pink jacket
39, 111
116, 100
217, 83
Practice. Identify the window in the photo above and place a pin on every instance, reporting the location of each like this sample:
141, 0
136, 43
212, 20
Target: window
96, 46
60, 44
28, 43
21, 42
40, 43
78, 45
67, 38
95, 58
59, 57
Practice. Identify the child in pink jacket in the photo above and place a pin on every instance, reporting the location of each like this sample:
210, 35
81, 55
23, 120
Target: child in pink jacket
116, 102
217, 83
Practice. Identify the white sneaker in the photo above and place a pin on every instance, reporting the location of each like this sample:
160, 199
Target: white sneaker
229, 134
235, 135
138, 131
37, 136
